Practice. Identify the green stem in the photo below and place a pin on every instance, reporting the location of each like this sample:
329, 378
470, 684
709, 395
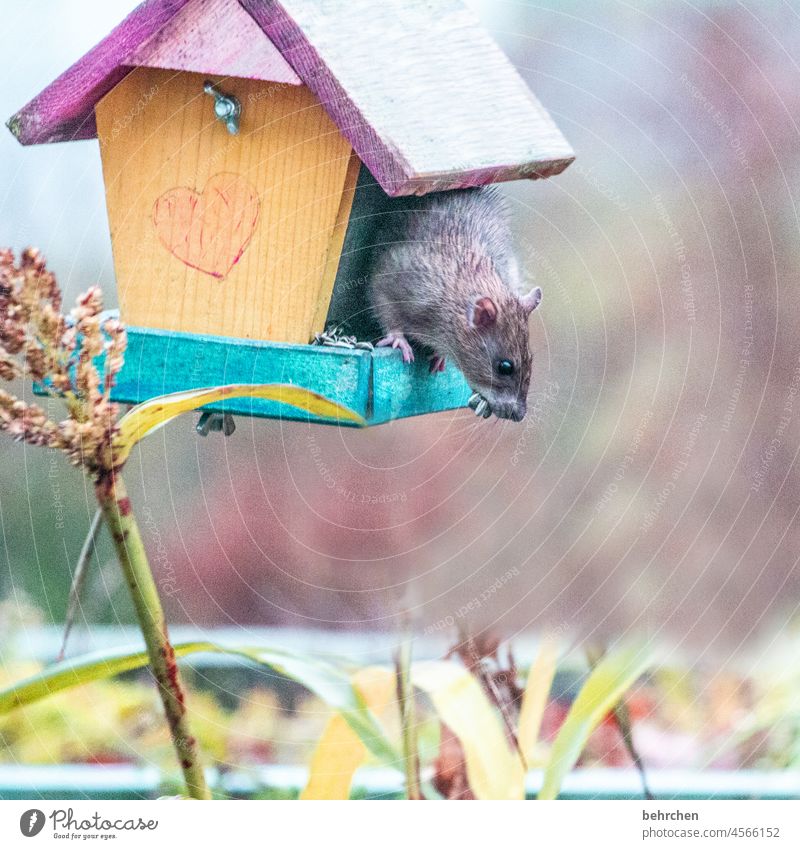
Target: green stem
405, 697
122, 524
79, 580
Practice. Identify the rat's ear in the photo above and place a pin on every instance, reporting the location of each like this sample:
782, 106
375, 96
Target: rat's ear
531, 300
482, 313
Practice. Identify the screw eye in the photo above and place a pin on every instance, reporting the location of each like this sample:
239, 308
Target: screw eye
505, 368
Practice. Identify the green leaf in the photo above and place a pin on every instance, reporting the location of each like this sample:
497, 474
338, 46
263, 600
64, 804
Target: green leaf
156, 412
321, 678
335, 688
606, 685
494, 769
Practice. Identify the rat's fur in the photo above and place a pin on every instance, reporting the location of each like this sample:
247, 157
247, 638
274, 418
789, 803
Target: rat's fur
436, 262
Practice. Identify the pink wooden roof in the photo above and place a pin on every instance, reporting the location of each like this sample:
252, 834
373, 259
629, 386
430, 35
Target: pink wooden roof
426, 98
207, 36
215, 37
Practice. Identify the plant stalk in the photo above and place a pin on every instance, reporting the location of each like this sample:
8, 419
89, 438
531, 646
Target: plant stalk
622, 718
121, 521
408, 719
79, 579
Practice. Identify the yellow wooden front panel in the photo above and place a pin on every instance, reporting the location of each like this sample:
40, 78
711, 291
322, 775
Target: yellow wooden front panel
215, 233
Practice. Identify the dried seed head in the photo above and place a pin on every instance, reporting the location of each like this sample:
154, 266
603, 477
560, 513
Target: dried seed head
36, 341
9, 370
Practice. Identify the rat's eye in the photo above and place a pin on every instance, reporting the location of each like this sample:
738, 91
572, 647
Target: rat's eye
505, 368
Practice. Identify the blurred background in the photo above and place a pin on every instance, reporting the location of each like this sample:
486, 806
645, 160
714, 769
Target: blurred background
653, 487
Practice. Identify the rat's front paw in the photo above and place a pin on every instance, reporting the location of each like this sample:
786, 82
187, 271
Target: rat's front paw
397, 340
436, 363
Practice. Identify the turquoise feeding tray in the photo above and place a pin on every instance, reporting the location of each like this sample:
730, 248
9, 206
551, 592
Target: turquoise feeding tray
376, 384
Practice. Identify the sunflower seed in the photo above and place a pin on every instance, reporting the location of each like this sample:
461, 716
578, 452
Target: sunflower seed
333, 337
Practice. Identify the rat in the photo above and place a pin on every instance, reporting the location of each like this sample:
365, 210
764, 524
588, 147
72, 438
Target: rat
445, 276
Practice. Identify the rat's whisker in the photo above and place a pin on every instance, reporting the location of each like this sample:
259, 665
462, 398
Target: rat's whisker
464, 432
467, 426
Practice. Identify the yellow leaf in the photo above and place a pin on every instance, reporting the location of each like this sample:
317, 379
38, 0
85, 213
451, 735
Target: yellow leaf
158, 411
340, 752
534, 699
494, 768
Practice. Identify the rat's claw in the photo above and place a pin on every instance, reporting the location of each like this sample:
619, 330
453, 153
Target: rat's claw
397, 340
408, 354
437, 363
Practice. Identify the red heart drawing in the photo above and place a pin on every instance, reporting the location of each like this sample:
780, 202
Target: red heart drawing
208, 230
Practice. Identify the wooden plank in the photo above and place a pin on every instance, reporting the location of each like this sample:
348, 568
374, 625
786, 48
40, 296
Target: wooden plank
427, 99
216, 233
215, 37
376, 384
400, 390
65, 109
158, 362
335, 247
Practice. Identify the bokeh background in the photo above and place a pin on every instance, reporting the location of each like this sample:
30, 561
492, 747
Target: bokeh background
653, 487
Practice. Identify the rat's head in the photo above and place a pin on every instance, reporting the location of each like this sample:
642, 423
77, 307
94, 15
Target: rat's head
497, 359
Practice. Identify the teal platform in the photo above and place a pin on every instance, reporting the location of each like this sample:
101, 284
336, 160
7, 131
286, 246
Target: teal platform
376, 384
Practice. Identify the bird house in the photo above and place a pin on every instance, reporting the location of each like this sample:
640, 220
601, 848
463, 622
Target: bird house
248, 145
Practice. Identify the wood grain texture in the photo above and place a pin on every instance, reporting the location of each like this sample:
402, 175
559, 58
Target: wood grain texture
64, 111
208, 36
195, 266
377, 385
157, 362
214, 37
329, 275
400, 390
208, 230
427, 99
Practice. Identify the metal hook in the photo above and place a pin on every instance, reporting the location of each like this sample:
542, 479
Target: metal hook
226, 107
215, 422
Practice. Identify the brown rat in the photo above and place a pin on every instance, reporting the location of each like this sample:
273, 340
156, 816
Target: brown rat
445, 276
